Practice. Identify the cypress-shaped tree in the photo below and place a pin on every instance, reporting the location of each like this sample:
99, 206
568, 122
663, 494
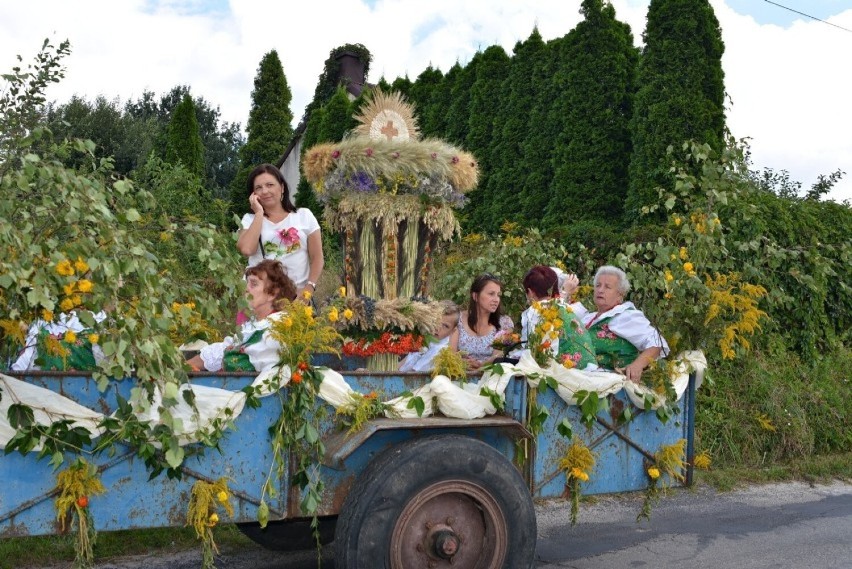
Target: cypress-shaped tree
420, 94
402, 85
680, 92
508, 169
184, 144
435, 114
458, 113
305, 195
487, 95
336, 117
269, 125
593, 150
545, 124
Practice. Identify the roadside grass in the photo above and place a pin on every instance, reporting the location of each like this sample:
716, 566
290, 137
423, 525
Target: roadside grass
45, 551
815, 469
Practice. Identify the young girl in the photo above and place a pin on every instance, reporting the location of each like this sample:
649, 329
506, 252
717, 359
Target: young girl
422, 361
253, 349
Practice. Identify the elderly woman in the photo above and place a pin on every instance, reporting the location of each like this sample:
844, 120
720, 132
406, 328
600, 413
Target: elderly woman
623, 337
254, 348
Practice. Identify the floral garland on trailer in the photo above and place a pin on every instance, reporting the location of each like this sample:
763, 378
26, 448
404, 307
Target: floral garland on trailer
202, 514
383, 327
76, 484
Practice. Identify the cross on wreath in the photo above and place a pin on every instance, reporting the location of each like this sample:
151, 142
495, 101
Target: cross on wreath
389, 130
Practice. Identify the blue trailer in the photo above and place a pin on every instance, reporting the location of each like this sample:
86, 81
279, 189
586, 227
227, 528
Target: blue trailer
421, 492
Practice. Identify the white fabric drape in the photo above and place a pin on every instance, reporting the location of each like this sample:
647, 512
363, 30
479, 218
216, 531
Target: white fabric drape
463, 401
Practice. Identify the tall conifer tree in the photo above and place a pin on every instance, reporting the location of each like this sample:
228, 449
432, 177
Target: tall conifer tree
269, 125
680, 92
545, 124
435, 115
184, 141
486, 97
421, 92
402, 85
508, 167
458, 114
593, 150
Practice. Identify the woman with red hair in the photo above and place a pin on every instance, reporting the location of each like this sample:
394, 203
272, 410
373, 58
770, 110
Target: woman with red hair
551, 324
254, 348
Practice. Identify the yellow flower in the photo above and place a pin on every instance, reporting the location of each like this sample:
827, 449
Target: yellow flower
667, 295
65, 268
85, 285
688, 267
47, 315
669, 276
677, 221
342, 291
333, 315
579, 474
306, 294
77, 300
287, 322
68, 289
222, 496
348, 314
66, 304
70, 337
683, 253
93, 338
702, 461
81, 265
654, 473
214, 519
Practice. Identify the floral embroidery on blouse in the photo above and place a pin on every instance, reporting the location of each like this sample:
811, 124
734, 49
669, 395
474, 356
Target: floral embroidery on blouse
606, 333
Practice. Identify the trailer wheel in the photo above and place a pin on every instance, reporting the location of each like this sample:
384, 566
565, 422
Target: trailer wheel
444, 501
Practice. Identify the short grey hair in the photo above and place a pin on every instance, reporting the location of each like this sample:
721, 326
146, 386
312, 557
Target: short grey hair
623, 286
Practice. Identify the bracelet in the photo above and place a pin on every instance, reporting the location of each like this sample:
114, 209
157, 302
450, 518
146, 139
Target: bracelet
313, 284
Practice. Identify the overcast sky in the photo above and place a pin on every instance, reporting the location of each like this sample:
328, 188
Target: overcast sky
787, 75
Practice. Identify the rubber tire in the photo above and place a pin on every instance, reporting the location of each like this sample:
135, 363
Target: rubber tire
289, 535
381, 492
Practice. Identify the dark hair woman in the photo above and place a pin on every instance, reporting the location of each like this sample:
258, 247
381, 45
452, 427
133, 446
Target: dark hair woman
481, 322
277, 230
549, 328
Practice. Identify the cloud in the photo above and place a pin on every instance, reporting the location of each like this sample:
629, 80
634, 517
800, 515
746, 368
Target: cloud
787, 84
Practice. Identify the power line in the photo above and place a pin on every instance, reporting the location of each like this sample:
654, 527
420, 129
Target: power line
808, 16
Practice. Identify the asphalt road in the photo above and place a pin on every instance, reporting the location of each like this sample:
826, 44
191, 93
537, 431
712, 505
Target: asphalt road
791, 525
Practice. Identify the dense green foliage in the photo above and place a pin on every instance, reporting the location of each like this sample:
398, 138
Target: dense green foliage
137, 131
268, 128
593, 150
184, 145
509, 169
421, 94
680, 91
486, 93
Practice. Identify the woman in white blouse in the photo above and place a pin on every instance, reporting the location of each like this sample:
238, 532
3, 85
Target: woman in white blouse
254, 348
622, 335
278, 230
